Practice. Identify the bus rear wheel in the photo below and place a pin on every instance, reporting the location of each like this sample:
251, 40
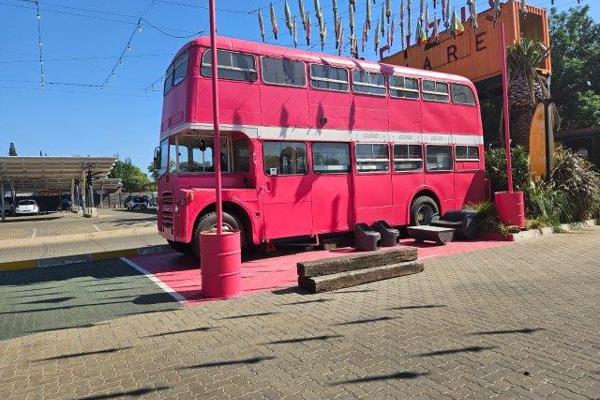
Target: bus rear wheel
422, 210
209, 221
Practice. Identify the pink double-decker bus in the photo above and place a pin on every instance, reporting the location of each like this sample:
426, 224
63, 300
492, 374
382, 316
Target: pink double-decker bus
312, 144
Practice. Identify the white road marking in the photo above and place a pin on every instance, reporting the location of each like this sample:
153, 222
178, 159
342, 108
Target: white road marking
34, 233
182, 300
96, 227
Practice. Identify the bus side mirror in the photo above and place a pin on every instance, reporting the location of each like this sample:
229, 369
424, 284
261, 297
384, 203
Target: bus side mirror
157, 157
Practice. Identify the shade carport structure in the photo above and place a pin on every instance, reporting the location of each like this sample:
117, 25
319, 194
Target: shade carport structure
52, 176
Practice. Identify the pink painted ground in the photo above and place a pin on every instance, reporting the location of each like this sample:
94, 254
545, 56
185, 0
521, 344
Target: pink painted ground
182, 273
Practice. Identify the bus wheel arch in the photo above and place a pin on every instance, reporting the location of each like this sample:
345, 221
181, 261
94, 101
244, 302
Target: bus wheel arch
234, 217
423, 205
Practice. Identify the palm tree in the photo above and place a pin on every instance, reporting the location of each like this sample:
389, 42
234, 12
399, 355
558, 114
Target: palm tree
527, 88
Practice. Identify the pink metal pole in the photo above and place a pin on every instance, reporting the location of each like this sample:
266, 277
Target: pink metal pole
506, 105
216, 132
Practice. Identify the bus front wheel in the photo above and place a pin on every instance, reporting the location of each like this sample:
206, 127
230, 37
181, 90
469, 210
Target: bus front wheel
422, 210
209, 221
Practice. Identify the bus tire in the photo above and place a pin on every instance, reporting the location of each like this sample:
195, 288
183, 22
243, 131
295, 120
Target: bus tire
183, 248
209, 221
422, 210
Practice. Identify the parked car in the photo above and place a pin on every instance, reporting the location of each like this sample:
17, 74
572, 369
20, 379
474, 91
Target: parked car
137, 203
25, 207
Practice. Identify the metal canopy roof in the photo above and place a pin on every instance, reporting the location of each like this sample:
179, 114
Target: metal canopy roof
49, 174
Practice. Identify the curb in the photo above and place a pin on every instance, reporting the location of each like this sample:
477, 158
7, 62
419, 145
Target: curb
537, 233
79, 258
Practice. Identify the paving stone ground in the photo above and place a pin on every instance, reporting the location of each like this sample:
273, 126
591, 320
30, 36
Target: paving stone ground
519, 322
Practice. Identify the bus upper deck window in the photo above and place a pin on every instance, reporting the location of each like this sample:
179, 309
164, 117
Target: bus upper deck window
462, 94
328, 78
368, 82
180, 67
436, 91
402, 87
282, 71
232, 65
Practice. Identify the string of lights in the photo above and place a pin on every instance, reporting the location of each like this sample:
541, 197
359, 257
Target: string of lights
40, 43
127, 48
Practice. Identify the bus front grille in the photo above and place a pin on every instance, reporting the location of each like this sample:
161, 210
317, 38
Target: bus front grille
167, 197
167, 219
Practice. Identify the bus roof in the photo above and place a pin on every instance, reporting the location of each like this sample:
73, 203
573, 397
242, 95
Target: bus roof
247, 46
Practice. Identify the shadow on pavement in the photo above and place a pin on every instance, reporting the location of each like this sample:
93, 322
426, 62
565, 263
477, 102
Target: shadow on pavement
365, 321
375, 378
307, 302
129, 393
418, 307
301, 340
247, 361
250, 315
508, 331
202, 329
470, 349
87, 353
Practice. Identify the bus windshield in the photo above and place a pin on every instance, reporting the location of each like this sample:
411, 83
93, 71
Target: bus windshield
191, 152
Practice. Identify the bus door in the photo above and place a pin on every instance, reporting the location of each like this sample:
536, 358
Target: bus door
331, 186
285, 195
373, 183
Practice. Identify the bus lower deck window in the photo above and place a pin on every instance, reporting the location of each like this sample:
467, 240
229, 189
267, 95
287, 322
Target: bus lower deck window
372, 157
439, 158
470, 153
331, 158
408, 157
284, 158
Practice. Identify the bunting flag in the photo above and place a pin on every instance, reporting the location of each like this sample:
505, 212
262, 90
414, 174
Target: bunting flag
308, 27
353, 4
382, 21
434, 4
473, 12
302, 10
365, 33
341, 39
335, 11
426, 20
457, 26
523, 8
294, 32
376, 36
261, 25
402, 37
409, 29
337, 27
288, 17
446, 13
498, 10
369, 14
391, 32
351, 18
274, 22
322, 33
353, 46
318, 10
388, 10
436, 28
421, 34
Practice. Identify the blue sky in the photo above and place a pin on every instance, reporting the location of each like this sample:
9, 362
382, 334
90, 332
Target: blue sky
81, 44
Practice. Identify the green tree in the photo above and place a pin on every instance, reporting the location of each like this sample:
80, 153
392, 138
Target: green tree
132, 177
575, 39
12, 152
154, 172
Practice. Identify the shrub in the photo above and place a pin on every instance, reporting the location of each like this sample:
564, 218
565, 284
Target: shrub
486, 215
495, 164
579, 183
545, 204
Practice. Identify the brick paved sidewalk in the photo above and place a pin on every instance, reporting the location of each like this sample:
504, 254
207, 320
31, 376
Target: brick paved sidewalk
511, 322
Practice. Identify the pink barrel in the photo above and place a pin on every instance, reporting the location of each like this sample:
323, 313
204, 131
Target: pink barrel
511, 208
220, 261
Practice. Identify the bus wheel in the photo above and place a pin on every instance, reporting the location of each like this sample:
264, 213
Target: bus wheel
422, 209
209, 221
184, 248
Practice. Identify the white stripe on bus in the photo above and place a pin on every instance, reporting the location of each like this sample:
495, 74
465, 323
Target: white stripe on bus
335, 135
